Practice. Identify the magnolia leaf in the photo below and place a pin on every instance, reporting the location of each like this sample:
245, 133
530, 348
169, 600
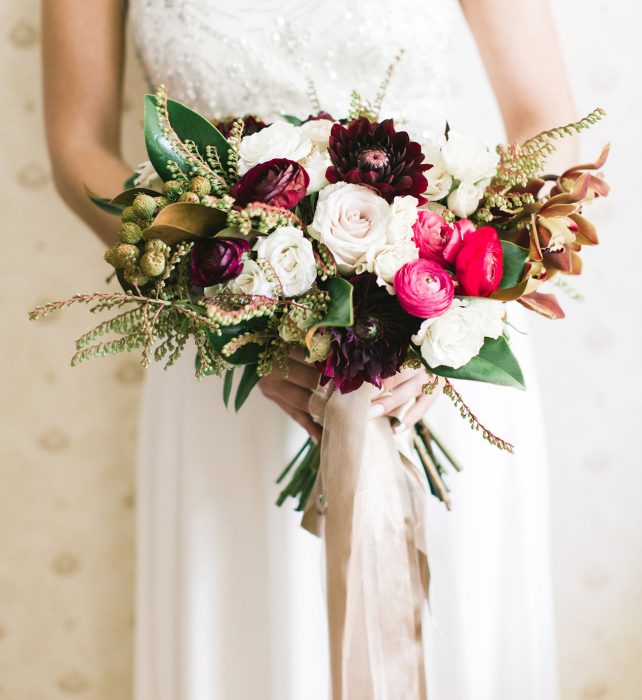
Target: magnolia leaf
249, 380
228, 381
495, 364
185, 221
104, 203
543, 304
514, 258
340, 312
187, 125
127, 197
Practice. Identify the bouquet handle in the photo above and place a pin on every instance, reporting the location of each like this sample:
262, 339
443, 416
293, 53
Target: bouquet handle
367, 503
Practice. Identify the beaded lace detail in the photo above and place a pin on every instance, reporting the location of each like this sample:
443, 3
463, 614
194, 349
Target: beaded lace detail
260, 57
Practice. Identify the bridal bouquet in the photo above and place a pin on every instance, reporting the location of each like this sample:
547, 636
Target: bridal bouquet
343, 237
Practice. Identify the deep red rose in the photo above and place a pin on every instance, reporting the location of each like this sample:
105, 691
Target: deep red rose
216, 260
480, 263
279, 182
377, 156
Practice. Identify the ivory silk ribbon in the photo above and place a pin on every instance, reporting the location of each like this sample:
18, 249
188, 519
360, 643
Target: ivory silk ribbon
368, 504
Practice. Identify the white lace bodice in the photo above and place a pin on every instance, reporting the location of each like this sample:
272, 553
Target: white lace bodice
240, 57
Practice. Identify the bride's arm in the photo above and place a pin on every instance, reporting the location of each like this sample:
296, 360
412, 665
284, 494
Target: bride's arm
520, 50
82, 66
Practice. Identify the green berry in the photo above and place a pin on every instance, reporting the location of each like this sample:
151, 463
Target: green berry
122, 254
134, 275
161, 202
155, 245
200, 185
130, 232
128, 214
144, 206
173, 189
190, 197
152, 264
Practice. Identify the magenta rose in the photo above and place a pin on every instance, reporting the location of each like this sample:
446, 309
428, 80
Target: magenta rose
279, 182
480, 263
216, 260
424, 288
436, 239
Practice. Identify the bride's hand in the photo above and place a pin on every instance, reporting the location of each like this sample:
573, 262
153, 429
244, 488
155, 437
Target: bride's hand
400, 389
292, 394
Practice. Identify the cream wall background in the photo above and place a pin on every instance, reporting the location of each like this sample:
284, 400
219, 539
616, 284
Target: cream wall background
67, 438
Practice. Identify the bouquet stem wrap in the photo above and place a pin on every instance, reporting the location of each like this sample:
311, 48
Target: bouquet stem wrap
368, 504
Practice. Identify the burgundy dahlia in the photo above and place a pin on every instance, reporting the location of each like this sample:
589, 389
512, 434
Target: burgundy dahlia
376, 345
279, 182
216, 260
252, 125
379, 157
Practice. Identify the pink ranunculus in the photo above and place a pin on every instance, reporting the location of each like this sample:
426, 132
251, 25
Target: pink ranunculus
480, 263
424, 288
436, 239
279, 182
464, 226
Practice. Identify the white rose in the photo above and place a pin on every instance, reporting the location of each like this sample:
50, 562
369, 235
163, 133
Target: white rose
146, 176
464, 200
316, 166
253, 281
403, 214
467, 159
318, 131
455, 337
386, 260
291, 256
279, 140
350, 220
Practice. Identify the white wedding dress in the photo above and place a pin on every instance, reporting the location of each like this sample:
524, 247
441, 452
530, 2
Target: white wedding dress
229, 591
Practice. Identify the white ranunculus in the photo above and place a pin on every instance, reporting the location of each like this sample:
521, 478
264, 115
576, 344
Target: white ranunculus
316, 165
319, 347
467, 159
403, 214
491, 316
464, 200
318, 131
291, 256
386, 260
455, 337
439, 179
279, 140
253, 280
350, 220
145, 175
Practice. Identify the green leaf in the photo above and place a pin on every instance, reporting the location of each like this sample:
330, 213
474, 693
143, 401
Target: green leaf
249, 380
104, 204
248, 354
295, 121
340, 310
187, 124
227, 386
515, 258
495, 364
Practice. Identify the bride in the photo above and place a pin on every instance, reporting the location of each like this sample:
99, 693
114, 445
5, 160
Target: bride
229, 592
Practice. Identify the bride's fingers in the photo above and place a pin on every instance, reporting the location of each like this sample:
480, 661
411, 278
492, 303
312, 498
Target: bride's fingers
284, 392
417, 412
400, 378
304, 419
400, 395
306, 376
